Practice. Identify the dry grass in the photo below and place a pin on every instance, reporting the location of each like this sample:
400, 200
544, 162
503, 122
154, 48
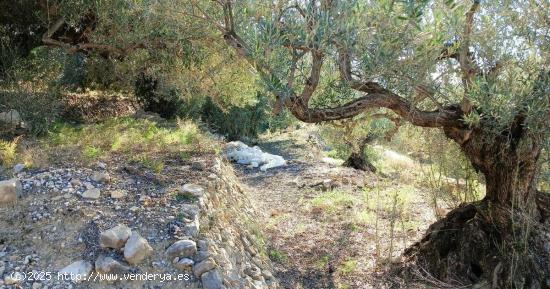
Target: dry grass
8, 152
141, 141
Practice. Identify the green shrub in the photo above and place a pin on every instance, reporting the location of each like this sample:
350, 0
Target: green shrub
167, 103
28, 87
74, 71
37, 109
243, 122
184, 197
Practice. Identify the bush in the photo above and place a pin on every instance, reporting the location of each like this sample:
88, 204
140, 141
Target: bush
233, 121
74, 71
247, 122
237, 122
149, 95
38, 109
28, 88
347, 137
446, 171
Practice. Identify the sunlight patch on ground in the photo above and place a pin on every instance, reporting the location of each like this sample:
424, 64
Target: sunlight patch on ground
394, 159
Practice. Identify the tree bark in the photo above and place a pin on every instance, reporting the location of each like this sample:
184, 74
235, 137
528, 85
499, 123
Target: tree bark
508, 161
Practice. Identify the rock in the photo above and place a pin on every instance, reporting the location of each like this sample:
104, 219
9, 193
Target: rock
92, 194
202, 255
101, 177
203, 266
198, 166
253, 272
28, 259
75, 182
18, 168
192, 229
136, 249
184, 263
13, 278
267, 275
327, 185
196, 190
182, 248
115, 237
77, 271
212, 280
105, 265
11, 117
190, 211
259, 285
10, 190
89, 186
118, 194
36, 285
203, 245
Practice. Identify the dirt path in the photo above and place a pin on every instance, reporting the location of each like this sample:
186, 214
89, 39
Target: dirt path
328, 226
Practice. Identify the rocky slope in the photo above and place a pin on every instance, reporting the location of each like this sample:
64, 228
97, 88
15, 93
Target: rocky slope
121, 226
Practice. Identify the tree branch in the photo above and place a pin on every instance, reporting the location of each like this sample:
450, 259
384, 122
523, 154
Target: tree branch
313, 80
375, 96
103, 49
465, 58
448, 117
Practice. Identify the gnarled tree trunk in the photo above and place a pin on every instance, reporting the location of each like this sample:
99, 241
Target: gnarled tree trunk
508, 161
500, 240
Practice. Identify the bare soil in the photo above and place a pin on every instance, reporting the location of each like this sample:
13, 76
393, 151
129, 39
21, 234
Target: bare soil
313, 248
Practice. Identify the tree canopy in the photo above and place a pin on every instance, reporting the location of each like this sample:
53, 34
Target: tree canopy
478, 70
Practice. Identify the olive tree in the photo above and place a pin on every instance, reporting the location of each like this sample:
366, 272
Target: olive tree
168, 60
477, 70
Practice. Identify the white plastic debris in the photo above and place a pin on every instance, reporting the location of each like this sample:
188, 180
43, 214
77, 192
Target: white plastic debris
242, 154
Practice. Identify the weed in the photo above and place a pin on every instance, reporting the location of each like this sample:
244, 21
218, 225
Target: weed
117, 143
334, 201
364, 217
184, 197
213, 219
323, 262
8, 152
275, 220
277, 256
347, 267
156, 165
92, 152
127, 137
184, 156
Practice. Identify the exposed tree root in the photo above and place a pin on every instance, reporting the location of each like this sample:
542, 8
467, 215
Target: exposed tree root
481, 246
